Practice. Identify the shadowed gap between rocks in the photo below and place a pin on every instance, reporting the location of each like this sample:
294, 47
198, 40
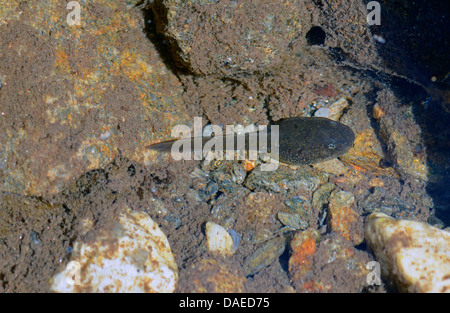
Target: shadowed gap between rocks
421, 56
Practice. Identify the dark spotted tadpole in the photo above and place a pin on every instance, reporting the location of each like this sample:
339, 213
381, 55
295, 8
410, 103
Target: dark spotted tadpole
302, 140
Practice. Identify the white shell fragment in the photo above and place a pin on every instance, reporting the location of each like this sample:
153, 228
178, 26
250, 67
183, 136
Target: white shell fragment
415, 255
133, 256
219, 240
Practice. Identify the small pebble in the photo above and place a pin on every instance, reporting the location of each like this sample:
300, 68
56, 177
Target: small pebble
105, 135
219, 240
379, 38
378, 112
333, 166
265, 255
343, 218
334, 111
299, 205
302, 249
292, 220
321, 195
238, 173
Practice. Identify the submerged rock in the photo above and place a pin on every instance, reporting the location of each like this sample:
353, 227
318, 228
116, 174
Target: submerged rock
209, 275
284, 180
219, 240
83, 107
334, 111
415, 255
292, 220
343, 218
265, 255
326, 264
227, 37
132, 256
302, 249
333, 166
401, 134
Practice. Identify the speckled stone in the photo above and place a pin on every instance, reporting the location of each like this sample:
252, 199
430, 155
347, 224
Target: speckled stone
415, 255
303, 247
343, 217
93, 90
133, 256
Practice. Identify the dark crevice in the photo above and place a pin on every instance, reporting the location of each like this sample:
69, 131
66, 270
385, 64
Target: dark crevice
163, 45
315, 36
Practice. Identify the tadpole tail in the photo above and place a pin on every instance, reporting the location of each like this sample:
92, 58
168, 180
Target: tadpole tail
166, 146
162, 146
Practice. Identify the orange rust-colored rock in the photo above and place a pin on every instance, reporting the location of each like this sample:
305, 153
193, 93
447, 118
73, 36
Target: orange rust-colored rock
249, 165
343, 218
303, 246
367, 154
210, 275
313, 286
